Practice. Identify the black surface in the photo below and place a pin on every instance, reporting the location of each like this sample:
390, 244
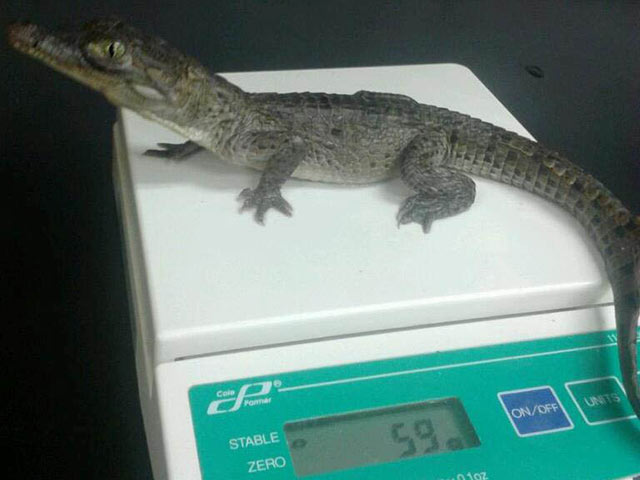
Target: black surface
569, 71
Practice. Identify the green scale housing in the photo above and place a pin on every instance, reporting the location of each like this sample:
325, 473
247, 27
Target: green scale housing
517, 410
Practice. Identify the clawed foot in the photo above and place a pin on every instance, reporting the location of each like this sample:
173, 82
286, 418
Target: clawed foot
175, 151
262, 200
419, 209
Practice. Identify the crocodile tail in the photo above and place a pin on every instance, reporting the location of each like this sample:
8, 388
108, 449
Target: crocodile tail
509, 158
615, 232
625, 280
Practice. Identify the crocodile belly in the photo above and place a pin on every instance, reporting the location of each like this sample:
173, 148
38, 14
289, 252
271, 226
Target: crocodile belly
338, 164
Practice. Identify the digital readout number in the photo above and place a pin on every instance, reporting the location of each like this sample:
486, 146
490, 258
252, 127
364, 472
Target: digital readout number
422, 434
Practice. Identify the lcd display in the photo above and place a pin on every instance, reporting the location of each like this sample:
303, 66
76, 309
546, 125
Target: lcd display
366, 437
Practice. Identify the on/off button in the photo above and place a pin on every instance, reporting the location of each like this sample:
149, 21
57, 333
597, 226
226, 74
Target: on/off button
535, 411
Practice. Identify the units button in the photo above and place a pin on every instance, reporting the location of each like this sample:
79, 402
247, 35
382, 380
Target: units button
600, 400
535, 411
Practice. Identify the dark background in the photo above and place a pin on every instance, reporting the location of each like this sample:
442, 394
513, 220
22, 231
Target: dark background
71, 410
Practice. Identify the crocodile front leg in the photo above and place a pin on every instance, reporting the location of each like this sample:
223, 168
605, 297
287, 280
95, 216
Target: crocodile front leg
441, 191
279, 167
175, 151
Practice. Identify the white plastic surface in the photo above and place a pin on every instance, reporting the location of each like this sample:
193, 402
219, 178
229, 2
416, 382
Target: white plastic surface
217, 281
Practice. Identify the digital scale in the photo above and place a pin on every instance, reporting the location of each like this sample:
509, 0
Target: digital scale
334, 345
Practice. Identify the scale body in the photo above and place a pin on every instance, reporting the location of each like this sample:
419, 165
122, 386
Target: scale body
334, 345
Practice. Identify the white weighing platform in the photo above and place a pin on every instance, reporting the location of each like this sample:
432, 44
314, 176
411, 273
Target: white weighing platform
217, 297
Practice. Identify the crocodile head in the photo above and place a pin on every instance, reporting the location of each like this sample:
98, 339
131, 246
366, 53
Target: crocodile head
132, 69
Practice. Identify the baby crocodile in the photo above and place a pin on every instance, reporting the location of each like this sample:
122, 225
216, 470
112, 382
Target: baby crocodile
360, 138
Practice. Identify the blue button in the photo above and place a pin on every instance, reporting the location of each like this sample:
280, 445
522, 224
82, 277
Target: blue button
535, 411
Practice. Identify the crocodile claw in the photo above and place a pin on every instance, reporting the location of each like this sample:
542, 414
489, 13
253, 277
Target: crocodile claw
417, 209
262, 200
174, 151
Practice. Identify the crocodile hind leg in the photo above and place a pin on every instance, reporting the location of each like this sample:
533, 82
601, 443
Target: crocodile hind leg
440, 191
175, 151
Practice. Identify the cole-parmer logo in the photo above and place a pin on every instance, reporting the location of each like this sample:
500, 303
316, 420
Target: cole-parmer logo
249, 395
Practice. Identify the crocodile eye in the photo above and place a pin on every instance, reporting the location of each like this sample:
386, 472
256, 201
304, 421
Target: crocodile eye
106, 49
115, 50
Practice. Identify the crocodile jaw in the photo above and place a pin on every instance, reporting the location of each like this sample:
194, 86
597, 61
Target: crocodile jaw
60, 52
